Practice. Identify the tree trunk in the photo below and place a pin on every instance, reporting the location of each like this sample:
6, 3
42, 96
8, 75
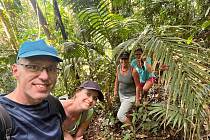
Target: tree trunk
41, 17
8, 30
59, 20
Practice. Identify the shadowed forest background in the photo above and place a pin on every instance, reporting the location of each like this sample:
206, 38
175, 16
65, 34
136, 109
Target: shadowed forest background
90, 35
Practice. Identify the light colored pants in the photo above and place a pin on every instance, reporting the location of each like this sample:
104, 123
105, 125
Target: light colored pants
126, 103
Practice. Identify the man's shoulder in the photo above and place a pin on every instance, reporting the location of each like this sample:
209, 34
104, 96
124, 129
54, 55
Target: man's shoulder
5, 120
2, 95
54, 103
56, 106
3, 99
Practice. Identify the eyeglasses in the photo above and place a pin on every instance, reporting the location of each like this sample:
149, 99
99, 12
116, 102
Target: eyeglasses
38, 68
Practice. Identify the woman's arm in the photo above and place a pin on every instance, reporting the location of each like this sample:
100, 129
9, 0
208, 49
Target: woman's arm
81, 129
116, 83
65, 127
84, 123
138, 86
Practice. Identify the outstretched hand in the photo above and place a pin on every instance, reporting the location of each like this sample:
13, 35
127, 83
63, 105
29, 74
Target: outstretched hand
164, 67
115, 96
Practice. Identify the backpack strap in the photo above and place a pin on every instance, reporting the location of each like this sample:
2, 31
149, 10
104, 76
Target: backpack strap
5, 124
53, 104
55, 107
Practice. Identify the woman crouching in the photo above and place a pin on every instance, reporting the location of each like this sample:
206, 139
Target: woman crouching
79, 110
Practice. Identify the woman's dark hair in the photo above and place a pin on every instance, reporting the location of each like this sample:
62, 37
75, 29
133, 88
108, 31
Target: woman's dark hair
139, 49
124, 55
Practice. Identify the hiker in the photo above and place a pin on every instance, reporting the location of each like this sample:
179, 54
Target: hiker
127, 85
33, 112
144, 67
79, 109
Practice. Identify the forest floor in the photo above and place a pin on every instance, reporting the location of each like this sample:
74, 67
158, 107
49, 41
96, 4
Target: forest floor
117, 132
105, 126
98, 131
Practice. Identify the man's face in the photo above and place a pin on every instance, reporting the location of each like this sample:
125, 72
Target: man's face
36, 77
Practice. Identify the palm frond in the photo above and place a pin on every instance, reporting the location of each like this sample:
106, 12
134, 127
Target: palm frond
186, 78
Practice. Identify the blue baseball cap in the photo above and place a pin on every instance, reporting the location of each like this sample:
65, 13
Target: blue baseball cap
37, 48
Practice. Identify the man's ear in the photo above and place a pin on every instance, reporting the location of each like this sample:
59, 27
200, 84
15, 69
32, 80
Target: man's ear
15, 70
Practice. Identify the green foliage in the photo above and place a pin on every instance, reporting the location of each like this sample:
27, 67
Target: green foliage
105, 28
206, 24
143, 122
172, 32
186, 79
7, 82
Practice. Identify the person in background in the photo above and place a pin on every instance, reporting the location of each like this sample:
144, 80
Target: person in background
144, 68
127, 85
79, 110
32, 116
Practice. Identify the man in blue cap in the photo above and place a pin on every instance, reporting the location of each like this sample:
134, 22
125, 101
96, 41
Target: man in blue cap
30, 105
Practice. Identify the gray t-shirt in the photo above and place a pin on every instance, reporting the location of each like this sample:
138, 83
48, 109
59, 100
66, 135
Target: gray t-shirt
126, 83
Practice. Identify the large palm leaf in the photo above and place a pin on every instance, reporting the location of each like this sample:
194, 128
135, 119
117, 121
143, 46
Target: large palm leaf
186, 81
105, 28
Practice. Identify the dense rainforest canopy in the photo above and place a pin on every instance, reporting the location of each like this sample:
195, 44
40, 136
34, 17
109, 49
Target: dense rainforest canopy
90, 35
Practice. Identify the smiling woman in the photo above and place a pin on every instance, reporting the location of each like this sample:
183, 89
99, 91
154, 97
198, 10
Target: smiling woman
79, 110
127, 86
